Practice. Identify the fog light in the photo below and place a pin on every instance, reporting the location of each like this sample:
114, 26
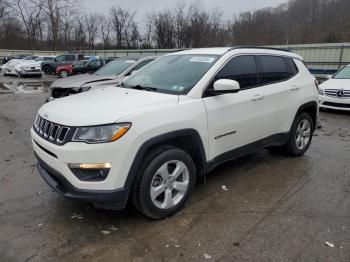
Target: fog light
91, 172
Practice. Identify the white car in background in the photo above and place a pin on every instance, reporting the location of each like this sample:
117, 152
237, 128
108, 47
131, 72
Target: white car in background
9, 67
29, 66
335, 93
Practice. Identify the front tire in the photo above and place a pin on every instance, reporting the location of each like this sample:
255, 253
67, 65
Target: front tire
167, 177
48, 70
301, 135
63, 73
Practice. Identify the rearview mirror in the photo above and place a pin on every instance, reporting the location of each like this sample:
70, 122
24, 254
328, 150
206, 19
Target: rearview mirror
223, 86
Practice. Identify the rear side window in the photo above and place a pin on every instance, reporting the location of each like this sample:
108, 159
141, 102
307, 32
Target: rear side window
242, 69
273, 69
70, 57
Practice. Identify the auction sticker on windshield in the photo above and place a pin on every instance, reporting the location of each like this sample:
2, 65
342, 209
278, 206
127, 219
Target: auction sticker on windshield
202, 59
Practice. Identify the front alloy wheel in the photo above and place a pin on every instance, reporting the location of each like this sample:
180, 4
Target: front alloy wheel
169, 184
64, 73
165, 180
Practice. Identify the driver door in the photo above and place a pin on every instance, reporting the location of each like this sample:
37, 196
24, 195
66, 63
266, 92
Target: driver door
236, 119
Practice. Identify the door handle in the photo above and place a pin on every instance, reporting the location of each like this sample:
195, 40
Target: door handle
295, 88
257, 97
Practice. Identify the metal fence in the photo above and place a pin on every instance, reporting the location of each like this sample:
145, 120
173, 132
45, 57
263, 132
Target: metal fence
320, 58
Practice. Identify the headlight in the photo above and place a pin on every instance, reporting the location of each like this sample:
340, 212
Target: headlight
320, 92
101, 134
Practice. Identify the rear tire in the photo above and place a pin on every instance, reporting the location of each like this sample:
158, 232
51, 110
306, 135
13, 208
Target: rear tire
166, 178
301, 135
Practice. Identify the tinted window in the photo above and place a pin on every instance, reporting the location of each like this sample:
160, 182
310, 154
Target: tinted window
292, 67
60, 58
70, 57
242, 69
273, 69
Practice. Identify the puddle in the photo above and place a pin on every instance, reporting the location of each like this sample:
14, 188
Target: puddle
26, 87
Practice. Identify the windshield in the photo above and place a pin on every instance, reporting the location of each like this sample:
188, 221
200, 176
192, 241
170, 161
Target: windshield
172, 74
343, 74
115, 67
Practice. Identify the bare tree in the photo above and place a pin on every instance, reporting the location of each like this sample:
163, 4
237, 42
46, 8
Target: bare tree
105, 31
92, 25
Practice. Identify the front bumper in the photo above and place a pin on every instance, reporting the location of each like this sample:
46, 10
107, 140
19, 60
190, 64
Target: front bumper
334, 103
59, 183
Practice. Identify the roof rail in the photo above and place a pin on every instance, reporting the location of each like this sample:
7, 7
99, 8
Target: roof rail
259, 47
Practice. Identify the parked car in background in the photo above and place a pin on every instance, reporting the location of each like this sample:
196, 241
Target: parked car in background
49, 67
66, 70
110, 74
28, 68
335, 92
171, 123
89, 67
9, 67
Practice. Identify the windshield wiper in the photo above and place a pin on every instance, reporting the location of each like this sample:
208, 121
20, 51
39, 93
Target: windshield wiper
139, 87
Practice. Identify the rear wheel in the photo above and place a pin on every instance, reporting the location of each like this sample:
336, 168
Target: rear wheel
166, 179
301, 135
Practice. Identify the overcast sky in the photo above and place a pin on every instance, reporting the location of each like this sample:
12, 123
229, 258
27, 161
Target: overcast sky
229, 7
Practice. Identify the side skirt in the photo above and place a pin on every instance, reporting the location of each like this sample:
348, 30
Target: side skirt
274, 140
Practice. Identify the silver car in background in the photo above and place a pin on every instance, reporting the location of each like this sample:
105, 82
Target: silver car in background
110, 74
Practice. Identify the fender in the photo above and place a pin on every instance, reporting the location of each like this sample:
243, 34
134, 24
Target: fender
159, 140
304, 107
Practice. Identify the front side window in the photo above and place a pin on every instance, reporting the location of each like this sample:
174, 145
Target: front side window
241, 69
174, 74
273, 69
343, 74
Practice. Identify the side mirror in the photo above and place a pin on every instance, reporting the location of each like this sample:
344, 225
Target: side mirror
225, 86
329, 76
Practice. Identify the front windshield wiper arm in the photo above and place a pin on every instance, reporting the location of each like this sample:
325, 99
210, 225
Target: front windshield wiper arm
139, 87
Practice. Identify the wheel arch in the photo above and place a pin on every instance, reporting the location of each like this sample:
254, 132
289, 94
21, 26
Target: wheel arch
187, 139
309, 107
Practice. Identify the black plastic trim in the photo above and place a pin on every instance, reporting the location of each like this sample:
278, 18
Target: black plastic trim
158, 140
274, 140
60, 184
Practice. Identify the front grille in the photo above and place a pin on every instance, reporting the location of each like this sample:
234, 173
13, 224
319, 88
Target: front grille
336, 105
62, 92
52, 132
338, 93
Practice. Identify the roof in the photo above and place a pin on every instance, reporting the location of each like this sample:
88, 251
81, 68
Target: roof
244, 49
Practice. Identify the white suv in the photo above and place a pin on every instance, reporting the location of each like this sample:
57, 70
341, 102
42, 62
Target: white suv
170, 123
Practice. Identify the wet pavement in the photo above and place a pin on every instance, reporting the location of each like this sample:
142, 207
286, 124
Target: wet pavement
262, 207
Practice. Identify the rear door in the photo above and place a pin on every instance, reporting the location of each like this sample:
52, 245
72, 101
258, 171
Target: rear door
280, 90
238, 119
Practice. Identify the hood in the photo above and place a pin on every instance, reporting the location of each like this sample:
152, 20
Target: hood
103, 106
336, 84
79, 80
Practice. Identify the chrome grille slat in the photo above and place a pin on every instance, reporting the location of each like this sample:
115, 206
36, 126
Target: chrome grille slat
334, 93
52, 132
